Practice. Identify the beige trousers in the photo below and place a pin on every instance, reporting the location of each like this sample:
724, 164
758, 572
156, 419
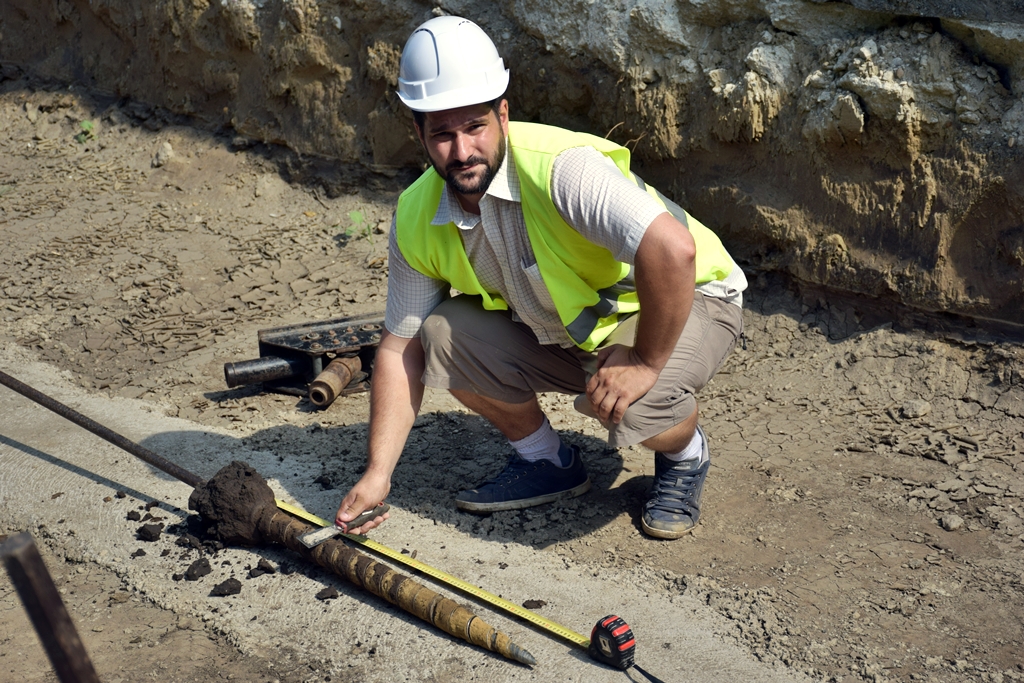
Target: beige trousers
485, 352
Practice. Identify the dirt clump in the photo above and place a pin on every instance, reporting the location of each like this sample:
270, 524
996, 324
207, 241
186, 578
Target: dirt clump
328, 593
226, 587
262, 567
232, 502
198, 569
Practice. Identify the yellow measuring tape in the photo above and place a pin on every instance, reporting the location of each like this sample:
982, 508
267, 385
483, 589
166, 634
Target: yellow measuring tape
448, 579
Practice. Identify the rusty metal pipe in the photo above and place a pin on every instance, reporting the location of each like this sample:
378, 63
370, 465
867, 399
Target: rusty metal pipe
99, 430
265, 369
397, 588
329, 384
239, 508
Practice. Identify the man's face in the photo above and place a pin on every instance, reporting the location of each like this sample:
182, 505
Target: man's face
466, 145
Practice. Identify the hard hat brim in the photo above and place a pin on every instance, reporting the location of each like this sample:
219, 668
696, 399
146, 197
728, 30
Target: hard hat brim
454, 99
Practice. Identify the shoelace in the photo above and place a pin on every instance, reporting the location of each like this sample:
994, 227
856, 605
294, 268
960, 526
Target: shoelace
515, 468
673, 492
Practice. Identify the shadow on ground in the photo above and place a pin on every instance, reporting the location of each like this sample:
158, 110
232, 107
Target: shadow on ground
445, 453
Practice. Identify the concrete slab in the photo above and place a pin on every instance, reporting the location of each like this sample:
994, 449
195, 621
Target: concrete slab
54, 478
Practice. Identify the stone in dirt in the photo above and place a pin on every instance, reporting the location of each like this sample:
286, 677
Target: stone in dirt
534, 604
329, 593
231, 586
325, 482
951, 522
163, 155
189, 541
150, 532
261, 568
916, 408
198, 569
133, 516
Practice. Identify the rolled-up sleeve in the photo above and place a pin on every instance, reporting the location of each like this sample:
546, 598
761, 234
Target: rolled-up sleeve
411, 294
604, 206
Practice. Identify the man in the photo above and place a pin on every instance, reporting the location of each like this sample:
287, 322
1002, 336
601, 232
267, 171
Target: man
573, 277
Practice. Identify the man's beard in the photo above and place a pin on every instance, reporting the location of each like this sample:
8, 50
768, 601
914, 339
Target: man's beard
476, 185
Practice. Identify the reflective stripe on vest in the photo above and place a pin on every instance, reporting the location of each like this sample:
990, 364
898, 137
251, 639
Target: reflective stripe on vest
587, 321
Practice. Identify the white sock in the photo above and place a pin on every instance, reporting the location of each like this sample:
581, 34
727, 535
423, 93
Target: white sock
543, 444
693, 450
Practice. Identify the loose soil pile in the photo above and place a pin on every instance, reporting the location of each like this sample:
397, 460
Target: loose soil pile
863, 513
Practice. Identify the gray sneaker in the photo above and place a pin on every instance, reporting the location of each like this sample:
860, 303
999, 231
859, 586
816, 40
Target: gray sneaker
673, 508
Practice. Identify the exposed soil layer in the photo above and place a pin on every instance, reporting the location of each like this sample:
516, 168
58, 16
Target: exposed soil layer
863, 516
868, 147
1008, 11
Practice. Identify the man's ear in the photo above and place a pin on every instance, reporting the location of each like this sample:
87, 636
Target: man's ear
503, 116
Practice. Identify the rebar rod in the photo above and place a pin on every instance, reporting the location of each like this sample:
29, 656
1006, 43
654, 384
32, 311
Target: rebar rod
49, 615
99, 430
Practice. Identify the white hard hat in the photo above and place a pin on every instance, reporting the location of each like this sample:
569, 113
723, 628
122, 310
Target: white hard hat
450, 62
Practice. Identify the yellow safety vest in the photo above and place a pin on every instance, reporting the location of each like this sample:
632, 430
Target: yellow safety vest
591, 290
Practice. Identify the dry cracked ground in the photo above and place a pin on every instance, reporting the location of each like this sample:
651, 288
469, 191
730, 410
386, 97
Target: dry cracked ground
864, 517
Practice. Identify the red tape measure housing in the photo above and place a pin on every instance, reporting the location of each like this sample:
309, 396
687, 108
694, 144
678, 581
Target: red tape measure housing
612, 642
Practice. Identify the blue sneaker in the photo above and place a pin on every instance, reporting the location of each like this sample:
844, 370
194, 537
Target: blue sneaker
674, 504
523, 484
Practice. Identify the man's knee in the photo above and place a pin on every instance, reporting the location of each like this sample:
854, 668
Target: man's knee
444, 324
436, 331
676, 436
659, 418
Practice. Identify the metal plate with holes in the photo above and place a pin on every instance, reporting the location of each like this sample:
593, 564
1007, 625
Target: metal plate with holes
292, 356
338, 335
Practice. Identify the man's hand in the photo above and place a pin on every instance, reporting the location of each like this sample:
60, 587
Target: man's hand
365, 495
395, 395
664, 284
622, 377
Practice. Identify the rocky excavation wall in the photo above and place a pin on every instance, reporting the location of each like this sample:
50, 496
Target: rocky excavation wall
864, 151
